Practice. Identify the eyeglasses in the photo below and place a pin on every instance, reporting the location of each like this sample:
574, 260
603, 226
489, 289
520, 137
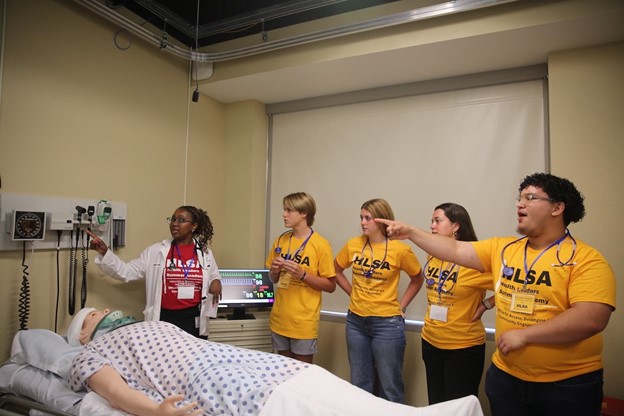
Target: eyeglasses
180, 220
532, 197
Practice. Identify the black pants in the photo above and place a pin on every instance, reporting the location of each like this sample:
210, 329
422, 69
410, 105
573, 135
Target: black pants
575, 396
182, 318
452, 374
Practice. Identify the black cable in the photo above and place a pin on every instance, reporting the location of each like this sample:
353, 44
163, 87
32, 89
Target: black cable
85, 254
73, 265
24, 297
196, 92
72, 283
85, 261
58, 277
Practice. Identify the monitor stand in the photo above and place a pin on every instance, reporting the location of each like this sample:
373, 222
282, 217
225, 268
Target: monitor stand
240, 313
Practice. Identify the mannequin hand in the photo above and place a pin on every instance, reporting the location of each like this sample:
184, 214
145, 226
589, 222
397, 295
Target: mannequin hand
168, 408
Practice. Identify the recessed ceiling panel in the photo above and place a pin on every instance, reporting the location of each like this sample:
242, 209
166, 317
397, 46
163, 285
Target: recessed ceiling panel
224, 20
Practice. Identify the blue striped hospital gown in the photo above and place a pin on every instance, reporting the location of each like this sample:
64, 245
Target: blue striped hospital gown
160, 360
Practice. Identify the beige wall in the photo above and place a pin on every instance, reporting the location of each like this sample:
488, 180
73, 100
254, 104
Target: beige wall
81, 118
587, 146
586, 95
100, 122
245, 185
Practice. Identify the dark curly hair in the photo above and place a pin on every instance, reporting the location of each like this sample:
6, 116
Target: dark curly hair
559, 190
204, 231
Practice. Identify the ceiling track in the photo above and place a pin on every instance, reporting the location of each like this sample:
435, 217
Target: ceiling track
442, 9
253, 17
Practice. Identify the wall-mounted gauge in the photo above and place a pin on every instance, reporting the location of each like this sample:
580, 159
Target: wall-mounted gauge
28, 225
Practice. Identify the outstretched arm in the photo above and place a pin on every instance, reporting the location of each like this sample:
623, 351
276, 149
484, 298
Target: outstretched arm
443, 248
110, 385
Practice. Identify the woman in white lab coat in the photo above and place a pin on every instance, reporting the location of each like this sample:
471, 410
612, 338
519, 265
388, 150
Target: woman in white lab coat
180, 273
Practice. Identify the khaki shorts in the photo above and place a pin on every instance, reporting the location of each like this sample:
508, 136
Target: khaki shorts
298, 346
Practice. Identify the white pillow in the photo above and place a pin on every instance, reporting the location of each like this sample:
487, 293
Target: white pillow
45, 350
39, 385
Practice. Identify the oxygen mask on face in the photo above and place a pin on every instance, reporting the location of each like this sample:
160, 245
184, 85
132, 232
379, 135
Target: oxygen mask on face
111, 321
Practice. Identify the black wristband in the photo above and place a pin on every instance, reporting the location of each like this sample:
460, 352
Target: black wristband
302, 278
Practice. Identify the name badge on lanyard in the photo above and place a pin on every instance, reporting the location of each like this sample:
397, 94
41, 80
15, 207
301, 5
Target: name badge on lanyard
186, 291
523, 303
438, 313
284, 280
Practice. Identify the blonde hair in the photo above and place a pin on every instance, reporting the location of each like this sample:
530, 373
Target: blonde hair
379, 208
303, 204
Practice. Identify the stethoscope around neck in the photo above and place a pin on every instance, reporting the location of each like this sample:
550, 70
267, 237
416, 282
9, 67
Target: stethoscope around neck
288, 256
508, 271
172, 265
369, 273
443, 275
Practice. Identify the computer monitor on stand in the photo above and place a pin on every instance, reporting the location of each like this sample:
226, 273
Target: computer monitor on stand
244, 289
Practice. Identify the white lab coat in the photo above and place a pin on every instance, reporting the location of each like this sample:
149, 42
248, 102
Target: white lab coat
150, 265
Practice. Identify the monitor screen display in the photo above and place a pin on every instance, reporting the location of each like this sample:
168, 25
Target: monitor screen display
246, 288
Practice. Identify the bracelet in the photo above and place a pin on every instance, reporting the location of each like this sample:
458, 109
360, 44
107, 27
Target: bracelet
486, 304
302, 278
403, 309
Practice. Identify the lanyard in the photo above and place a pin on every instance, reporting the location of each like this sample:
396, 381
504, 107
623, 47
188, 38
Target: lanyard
554, 243
185, 267
301, 247
443, 274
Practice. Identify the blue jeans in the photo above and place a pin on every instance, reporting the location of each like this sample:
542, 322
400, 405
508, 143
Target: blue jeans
376, 346
575, 396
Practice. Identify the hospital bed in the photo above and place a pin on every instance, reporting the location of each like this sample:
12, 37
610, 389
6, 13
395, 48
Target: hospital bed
33, 382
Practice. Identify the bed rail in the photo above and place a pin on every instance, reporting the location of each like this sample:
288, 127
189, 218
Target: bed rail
11, 404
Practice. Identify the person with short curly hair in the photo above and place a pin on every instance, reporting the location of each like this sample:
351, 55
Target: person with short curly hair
179, 272
554, 296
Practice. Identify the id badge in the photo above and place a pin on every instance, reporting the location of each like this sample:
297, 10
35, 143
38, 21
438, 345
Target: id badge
522, 302
438, 313
284, 281
186, 291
